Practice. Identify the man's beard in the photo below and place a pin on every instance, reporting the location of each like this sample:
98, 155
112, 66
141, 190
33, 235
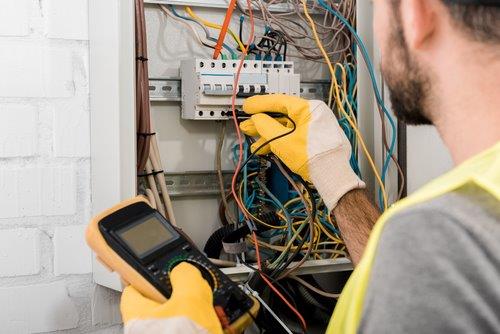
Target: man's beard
408, 84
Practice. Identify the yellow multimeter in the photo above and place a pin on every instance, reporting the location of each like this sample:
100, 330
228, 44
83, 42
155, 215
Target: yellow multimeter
138, 243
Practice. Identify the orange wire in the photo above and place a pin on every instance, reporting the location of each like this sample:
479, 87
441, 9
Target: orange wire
235, 120
223, 31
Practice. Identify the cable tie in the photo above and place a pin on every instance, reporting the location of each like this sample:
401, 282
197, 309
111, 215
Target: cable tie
141, 58
153, 173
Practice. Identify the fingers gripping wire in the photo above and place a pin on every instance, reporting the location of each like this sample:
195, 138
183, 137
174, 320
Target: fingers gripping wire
259, 148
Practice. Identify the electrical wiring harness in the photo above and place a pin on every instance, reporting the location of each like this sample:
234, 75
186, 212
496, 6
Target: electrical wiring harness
284, 218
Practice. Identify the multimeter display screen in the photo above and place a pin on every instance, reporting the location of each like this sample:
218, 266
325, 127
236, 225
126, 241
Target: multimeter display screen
146, 237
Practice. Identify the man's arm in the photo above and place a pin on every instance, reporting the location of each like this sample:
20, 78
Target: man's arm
355, 215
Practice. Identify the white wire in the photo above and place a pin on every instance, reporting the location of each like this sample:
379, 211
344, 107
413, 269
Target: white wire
254, 293
190, 27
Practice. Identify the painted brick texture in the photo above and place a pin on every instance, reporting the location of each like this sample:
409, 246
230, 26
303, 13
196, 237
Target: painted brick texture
45, 265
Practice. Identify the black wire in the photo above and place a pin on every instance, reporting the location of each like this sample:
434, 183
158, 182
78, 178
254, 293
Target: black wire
280, 269
274, 281
241, 30
277, 271
281, 39
254, 153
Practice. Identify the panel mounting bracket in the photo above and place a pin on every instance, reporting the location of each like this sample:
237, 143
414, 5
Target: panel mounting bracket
169, 90
196, 183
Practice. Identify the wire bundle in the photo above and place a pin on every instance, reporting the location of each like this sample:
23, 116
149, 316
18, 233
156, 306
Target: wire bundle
292, 221
286, 233
148, 154
297, 33
289, 28
296, 28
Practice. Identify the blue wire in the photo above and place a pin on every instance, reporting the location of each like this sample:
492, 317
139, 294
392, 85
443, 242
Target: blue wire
187, 18
376, 90
278, 204
248, 204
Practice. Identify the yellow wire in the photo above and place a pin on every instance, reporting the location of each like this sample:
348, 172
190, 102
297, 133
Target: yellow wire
341, 107
344, 95
215, 26
293, 200
345, 98
324, 230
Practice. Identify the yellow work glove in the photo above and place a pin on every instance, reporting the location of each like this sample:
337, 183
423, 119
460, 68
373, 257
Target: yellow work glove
318, 150
189, 309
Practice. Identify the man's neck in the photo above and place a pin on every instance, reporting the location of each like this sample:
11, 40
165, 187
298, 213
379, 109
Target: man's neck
468, 108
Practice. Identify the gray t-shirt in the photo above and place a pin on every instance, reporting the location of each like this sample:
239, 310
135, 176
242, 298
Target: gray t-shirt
437, 268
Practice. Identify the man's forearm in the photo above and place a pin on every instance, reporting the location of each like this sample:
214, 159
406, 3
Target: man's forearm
355, 216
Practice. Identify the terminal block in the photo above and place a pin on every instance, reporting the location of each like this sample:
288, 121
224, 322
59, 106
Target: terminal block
208, 85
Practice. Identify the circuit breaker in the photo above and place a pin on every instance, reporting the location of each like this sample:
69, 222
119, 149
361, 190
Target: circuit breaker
208, 85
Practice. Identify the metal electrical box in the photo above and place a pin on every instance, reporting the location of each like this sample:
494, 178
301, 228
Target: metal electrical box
186, 85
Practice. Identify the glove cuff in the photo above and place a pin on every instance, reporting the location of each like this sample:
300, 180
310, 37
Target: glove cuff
333, 176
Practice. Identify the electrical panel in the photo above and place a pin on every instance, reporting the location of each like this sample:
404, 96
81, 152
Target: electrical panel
208, 85
198, 159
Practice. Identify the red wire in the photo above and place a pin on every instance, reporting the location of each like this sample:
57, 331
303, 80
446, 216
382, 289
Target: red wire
240, 160
233, 110
223, 31
276, 291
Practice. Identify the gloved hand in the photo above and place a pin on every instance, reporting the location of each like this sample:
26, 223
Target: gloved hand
189, 309
318, 150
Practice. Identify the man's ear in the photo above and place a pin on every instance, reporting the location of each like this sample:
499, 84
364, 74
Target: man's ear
419, 21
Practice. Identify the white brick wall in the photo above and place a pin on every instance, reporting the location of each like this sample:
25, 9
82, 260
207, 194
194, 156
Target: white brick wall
14, 17
18, 131
47, 191
37, 308
19, 252
67, 19
45, 280
71, 254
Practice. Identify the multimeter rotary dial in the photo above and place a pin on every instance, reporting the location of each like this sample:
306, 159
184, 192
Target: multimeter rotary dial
206, 273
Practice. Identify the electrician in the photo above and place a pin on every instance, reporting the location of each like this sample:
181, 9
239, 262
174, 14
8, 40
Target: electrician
431, 263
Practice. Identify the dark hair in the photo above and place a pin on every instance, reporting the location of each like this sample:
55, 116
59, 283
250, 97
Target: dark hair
481, 22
